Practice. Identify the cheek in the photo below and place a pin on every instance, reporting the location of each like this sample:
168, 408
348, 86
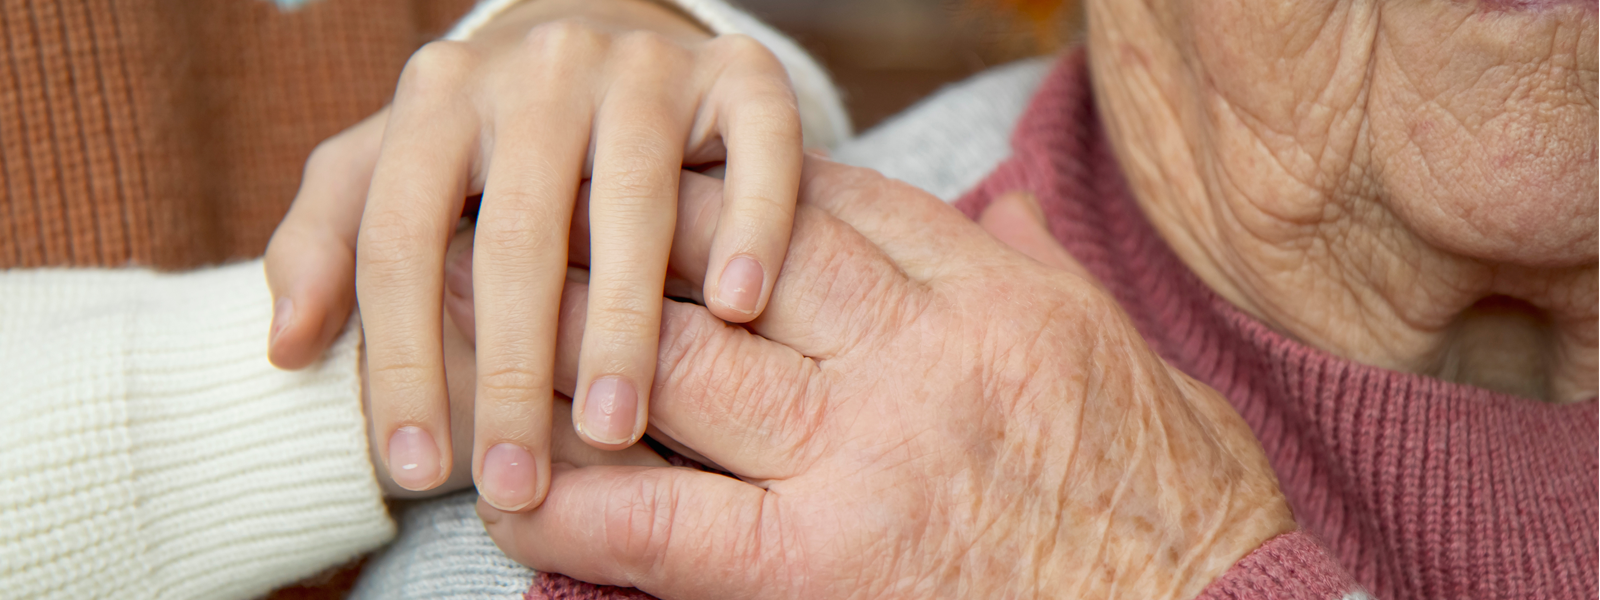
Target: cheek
1486, 147
1275, 60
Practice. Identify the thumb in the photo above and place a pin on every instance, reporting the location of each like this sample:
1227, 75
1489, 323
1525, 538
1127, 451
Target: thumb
310, 261
1016, 220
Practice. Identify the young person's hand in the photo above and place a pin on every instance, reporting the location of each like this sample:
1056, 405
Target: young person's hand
622, 91
461, 374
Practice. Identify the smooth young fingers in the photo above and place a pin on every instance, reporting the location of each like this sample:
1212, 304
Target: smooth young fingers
675, 533
632, 210
412, 208
311, 261
699, 202
758, 119
831, 256
518, 268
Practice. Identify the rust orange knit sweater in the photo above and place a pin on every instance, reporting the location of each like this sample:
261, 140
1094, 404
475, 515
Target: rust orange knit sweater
172, 134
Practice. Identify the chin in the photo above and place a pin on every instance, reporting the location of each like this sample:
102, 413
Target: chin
1532, 227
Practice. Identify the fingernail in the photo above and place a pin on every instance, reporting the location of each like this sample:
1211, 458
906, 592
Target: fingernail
489, 514
610, 411
508, 471
740, 286
282, 311
413, 458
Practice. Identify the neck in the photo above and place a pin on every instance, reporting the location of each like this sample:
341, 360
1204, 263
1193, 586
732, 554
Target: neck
1326, 262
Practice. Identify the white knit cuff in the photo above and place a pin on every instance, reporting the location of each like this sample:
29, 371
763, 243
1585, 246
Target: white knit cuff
823, 120
152, 451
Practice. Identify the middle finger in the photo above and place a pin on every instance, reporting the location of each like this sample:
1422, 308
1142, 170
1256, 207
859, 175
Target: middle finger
518, 269
417, 190
632, 213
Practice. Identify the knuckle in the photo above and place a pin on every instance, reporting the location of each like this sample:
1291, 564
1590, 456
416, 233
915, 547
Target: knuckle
562, 37
391, 241
700, 359
622, 313
686, 336
759, 210
742, 49
770, 111
635, 178
638, 521
516, 222
510, 383
648, 48
436, 70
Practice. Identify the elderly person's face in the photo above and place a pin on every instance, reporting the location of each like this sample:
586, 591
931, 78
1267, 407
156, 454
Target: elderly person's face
1411, 183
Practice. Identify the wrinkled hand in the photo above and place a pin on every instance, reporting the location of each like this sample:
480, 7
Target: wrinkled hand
625, 91
921, 412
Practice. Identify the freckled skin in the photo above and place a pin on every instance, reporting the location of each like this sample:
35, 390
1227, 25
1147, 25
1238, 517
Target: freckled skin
977, 426
1365, 174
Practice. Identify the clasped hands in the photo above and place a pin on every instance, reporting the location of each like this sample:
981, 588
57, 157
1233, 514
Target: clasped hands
922, 411
917, 411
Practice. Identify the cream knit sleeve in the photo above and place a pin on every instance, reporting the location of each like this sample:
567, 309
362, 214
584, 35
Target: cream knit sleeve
149, 450
823, 119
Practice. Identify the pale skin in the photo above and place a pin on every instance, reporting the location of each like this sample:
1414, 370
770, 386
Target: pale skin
924, 413
460, 362
551, 93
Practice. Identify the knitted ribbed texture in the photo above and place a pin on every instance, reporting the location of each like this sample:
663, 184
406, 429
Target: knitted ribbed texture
444, 555
173, 134
1292, 566
149, 450
1422, 488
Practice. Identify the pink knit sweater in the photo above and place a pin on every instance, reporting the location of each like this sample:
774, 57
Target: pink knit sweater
1404, 486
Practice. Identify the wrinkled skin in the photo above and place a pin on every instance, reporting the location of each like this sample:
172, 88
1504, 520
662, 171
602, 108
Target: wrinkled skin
923, 413
908, 420
1408, 184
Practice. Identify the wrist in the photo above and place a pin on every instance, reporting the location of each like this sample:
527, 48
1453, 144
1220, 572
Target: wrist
1173, 505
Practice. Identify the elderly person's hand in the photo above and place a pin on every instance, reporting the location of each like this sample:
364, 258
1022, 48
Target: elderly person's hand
908, 419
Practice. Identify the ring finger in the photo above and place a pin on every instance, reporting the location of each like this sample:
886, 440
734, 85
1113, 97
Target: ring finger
632, 212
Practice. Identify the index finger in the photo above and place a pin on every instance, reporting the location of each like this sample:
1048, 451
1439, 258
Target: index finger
418, 186
672, 532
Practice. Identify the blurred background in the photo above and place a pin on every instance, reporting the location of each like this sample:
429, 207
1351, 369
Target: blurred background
887, 54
